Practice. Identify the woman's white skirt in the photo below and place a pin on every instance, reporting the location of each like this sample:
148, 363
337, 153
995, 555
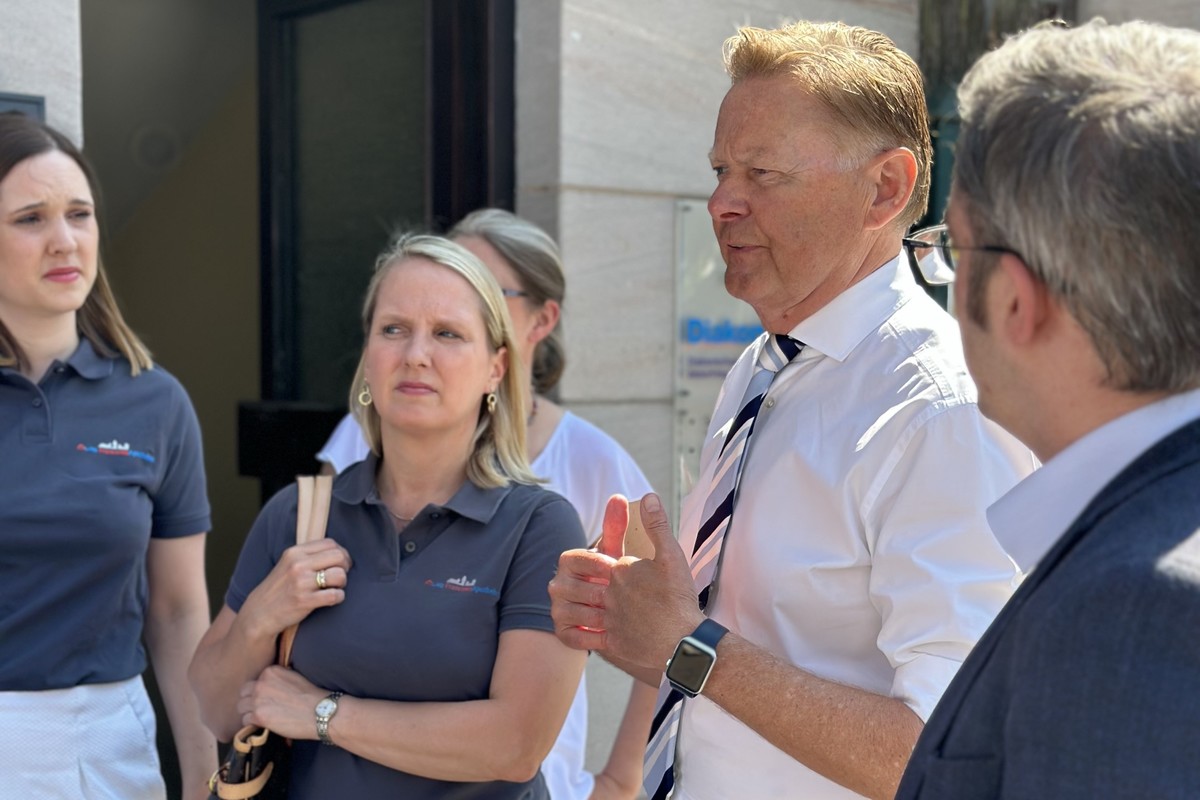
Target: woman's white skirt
92, 742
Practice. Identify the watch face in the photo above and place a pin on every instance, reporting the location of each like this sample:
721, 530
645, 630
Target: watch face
690, 666
326, 707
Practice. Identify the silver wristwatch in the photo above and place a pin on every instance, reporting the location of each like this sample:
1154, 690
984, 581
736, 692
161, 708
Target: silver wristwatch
325, 711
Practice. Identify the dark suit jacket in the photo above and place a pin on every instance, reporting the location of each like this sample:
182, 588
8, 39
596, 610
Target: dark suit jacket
1087, 685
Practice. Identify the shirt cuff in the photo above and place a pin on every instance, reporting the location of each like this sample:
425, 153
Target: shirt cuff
920, 683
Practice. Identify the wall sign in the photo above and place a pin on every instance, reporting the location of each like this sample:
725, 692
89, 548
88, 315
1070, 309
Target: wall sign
712, 330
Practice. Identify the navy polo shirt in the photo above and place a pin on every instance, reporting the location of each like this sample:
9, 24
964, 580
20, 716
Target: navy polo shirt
423, 612
93, 462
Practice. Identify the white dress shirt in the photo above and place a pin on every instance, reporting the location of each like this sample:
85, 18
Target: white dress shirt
1029, 519
859, 548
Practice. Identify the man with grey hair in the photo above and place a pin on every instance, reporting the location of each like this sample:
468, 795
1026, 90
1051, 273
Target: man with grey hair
1074, 224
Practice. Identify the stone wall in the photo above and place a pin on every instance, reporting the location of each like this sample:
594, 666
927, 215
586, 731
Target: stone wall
40, 55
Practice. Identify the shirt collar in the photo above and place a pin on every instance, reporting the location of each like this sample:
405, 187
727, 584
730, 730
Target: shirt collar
356, 485
1038, 510
88, 363
841, 325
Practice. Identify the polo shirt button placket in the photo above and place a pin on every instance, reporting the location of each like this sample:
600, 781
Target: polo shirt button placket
37, 423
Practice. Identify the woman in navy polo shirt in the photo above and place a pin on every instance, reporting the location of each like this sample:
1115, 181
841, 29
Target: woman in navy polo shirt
578, 460
425, 665
104, 507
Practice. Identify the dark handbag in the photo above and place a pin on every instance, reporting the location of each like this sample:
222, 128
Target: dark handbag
256, 766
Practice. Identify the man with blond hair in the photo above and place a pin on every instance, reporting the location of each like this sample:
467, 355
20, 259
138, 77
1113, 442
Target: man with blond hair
836, 566
1073, 219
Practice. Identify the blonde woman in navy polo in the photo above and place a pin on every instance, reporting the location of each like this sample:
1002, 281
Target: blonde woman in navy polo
425, 665
578, 460
103, 511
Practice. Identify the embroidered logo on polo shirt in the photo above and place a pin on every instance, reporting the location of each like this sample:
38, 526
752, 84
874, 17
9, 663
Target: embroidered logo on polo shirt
115, 448
463, 584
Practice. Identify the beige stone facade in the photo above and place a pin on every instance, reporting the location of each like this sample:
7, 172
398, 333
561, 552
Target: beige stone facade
40, 56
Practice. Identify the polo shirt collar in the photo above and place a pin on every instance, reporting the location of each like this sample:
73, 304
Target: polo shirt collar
88, 363
475, 503
356, 485
839, 327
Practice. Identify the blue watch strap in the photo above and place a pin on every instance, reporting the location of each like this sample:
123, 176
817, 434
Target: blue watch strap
709, 633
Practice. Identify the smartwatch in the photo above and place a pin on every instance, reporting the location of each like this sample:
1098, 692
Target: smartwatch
695, 655
325, 711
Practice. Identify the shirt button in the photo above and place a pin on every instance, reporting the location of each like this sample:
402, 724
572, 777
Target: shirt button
435, 515
37, 402
770, 402
410, 547
60, 370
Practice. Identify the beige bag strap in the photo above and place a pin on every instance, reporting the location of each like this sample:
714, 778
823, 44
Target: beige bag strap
312, 515
247, 790
322, 491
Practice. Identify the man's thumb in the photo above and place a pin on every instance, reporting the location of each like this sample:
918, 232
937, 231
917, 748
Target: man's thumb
658, 528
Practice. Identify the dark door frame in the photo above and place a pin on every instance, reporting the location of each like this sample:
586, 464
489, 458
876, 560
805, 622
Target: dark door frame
469, 117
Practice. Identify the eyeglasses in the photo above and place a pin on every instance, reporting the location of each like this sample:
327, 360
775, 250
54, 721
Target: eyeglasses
936, 256
514, 293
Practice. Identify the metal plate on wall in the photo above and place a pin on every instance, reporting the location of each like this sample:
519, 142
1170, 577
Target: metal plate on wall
712, 330
28, 104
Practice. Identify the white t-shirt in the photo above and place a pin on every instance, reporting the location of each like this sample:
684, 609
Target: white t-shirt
587, 466
859, 548
345, 446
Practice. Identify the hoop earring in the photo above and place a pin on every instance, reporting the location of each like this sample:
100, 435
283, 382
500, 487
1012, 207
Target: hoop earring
491, 402
364, 397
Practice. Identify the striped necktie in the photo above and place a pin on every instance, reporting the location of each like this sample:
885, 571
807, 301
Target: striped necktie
777, 351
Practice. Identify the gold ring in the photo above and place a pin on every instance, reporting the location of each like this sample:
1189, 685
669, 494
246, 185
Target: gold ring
320, 579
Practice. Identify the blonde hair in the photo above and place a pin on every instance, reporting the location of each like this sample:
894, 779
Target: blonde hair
860, 75
99, 319
498, 454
